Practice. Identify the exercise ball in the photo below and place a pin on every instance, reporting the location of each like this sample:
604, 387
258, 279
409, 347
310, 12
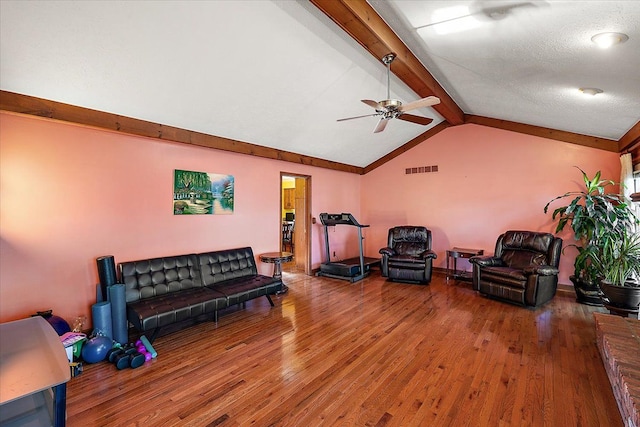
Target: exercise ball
58, 323
95, 350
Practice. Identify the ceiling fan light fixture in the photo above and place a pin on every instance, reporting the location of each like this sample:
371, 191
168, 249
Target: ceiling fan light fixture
606, 40
593, 91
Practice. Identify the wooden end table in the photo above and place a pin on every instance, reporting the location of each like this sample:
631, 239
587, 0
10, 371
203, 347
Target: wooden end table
277, 258
455, 253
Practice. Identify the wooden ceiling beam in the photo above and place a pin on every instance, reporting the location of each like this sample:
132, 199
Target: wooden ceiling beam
29, 105
631, 139
365, 26
558, 135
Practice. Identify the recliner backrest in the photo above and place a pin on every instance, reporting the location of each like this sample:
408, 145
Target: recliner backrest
409, 240
520, 249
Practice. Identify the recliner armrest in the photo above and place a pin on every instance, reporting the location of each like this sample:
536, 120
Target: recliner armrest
387, 251
429, 254
542, 270
486, 261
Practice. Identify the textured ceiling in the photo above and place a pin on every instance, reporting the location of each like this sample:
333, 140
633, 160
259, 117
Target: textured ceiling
526, 64
280, 73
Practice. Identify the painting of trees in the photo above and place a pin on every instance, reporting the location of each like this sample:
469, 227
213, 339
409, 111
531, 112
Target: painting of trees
202, 193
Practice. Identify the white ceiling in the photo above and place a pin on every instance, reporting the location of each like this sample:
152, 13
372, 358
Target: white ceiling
280, 73
527, 67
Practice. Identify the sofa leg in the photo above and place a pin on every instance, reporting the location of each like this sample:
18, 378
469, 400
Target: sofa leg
215, 316
270, 301
153, 335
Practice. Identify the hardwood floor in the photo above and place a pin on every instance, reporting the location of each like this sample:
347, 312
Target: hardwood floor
372, 353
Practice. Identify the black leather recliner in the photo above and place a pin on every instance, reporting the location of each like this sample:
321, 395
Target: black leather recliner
523, 269
408, 256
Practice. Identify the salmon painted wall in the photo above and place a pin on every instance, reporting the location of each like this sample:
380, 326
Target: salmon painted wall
488, 181
70, 194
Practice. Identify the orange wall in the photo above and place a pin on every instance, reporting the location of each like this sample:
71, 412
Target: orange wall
489, 181
70, 194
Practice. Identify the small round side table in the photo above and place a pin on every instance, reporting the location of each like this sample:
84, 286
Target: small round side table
277, 258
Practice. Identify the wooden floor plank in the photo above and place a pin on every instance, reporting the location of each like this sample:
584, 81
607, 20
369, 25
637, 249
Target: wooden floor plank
372, 353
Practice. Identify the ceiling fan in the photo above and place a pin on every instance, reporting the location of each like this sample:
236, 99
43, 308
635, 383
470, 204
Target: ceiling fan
389, 108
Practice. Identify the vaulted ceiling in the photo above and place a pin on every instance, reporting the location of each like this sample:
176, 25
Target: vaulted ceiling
271, 78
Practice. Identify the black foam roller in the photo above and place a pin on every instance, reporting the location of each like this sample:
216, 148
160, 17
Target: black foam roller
99, 293
106, 273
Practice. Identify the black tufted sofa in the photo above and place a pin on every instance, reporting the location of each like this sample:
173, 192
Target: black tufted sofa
168, 290
523, 270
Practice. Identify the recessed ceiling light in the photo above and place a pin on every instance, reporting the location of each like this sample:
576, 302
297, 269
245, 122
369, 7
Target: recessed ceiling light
593, 91
606, 40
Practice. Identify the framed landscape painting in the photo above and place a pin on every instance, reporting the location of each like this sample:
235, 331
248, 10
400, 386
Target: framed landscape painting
202, 193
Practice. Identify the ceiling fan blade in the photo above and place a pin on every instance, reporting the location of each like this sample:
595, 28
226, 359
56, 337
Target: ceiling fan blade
420, 103
357, 117
373, 104
381, 125
415, 119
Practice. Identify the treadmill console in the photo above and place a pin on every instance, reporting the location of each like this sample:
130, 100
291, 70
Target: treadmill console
339, 219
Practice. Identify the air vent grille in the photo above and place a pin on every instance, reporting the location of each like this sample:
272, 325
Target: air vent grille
421, 169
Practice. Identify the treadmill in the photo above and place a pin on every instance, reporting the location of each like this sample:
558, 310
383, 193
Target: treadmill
352, 269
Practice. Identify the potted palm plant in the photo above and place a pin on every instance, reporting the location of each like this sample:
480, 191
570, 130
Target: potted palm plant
593, 215
618, 263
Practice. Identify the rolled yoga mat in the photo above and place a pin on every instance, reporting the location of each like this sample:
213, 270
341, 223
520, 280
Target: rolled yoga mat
119, 312
106, 273
101, 315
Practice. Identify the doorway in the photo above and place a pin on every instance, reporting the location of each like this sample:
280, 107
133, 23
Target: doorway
295, 226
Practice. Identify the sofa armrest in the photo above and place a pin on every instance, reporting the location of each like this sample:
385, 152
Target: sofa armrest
542, 270
486, 261
387, 251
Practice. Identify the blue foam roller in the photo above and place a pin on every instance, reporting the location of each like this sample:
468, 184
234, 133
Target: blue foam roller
119, 313
101, 314
148, 346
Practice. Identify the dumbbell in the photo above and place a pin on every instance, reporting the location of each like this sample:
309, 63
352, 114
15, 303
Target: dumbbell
126, 357
142, 348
